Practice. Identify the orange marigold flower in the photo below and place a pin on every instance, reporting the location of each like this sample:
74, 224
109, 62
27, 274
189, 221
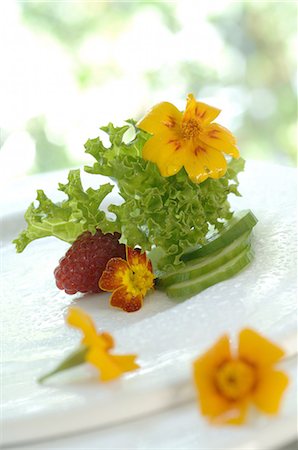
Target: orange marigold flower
190, 139
227, 383
99, 345
128, 280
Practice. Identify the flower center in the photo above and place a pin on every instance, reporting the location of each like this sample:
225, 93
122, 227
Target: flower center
190, 129
235, 379
139, 281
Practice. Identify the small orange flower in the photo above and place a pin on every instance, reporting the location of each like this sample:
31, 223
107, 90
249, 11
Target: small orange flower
226, 384
190, 139
128, 280
98, 347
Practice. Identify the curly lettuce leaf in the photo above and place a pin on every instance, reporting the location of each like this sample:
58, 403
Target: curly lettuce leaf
65, 220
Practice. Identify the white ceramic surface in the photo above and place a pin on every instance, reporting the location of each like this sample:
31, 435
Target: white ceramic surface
165, 335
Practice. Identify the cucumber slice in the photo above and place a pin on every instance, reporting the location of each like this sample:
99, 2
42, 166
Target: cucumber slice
241, 222
195, 268
186, 289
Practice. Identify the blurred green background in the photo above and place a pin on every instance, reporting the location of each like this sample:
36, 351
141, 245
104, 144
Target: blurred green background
70, 67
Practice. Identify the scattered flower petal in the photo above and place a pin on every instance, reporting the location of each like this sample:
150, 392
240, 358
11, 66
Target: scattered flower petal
99, 345
227, 384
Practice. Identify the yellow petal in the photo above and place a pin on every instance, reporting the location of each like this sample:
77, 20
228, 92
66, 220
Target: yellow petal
220, 139
107, 367
214, 161
122, 298
196, 170
175, 162
125, 362
164, 151
109, 340
155, 149
212, 404
163, 116
112, 276
78, 318
135, 257
206, 365
269, 391
235, 414
257, 350
216, 130
200, 111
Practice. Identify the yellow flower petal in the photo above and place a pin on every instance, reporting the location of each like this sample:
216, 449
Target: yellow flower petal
77, 318
206, 364
108, 368
212, 403
258, 350
214, 161
175, 162
135, 257
162, 117
125, 300
220, 139
111, 366
126, 362
237, 415
108, 339
218, 130
112, 276
80, 319
269, 391
161, 150
200, 111
195, 168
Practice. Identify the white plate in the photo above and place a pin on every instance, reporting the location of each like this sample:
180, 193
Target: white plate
165, 335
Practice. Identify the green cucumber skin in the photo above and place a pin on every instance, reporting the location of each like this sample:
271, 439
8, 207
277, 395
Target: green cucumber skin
243, 221
179, 293
197, 267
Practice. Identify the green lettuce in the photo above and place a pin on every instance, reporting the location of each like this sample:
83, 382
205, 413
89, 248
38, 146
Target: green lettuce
163, 216
65, 220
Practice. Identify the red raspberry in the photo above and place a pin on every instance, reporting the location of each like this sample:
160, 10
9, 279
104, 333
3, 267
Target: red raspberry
81, 267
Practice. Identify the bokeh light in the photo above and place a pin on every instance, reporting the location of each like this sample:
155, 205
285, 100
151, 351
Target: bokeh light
70, 67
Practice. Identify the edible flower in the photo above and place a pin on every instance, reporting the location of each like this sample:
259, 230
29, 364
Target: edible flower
187, 139
129, 280
95, 349
227, 384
